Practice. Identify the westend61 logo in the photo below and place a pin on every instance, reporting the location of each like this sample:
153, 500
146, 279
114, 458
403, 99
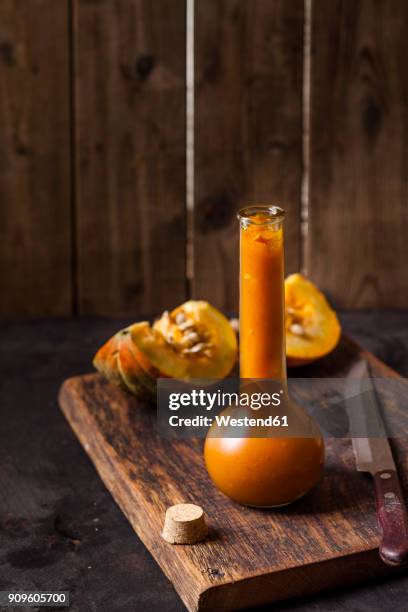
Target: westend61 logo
219, 399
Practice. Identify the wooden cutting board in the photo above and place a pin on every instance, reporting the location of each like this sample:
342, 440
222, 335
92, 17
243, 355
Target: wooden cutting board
252, 556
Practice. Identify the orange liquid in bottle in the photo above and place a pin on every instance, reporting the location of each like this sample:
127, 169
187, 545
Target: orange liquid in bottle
264, 471
262, 325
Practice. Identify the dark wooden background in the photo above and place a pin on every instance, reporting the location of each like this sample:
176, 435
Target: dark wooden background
300, 103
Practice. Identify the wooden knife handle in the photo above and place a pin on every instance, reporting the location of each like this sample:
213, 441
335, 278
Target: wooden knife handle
392, 517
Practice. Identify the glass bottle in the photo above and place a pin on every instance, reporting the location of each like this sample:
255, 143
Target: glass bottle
257, 469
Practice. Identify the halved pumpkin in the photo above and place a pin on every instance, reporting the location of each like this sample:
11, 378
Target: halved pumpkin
193, 341
312, 327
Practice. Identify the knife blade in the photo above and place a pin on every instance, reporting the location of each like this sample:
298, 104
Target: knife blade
369, 439
373, 454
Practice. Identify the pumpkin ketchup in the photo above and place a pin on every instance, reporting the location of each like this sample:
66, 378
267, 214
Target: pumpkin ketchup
262, 337
267, 469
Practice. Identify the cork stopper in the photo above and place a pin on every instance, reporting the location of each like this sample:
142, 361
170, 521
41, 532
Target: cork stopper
184, 524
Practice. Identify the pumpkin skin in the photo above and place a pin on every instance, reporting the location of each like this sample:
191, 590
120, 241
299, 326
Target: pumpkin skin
312, 326
106, 361
194, 341
136, 379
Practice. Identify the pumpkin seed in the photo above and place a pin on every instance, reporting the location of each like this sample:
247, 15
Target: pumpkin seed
297, 329
191, 338
196, 348
180, 318
234, 324
186, 325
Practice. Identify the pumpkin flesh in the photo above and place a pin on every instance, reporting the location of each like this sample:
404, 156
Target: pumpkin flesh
193, 341
312, 327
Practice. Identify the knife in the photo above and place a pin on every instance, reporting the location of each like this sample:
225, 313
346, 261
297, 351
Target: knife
373, 454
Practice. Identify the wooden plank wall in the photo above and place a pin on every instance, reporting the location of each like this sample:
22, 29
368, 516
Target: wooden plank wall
129, 58
92, 149
357, 244
248, 137
35, 211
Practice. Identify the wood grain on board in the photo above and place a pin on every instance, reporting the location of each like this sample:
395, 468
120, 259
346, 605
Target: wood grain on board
35, 217
252, 556
357, 248
248, 131
130, 154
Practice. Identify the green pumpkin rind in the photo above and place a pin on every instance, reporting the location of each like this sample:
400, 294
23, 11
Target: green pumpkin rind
106, 361
135, 378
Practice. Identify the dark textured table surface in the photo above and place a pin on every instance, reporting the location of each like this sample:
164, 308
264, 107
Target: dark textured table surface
60, 528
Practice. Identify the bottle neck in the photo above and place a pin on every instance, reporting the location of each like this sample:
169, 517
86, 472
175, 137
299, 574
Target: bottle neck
262, 313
